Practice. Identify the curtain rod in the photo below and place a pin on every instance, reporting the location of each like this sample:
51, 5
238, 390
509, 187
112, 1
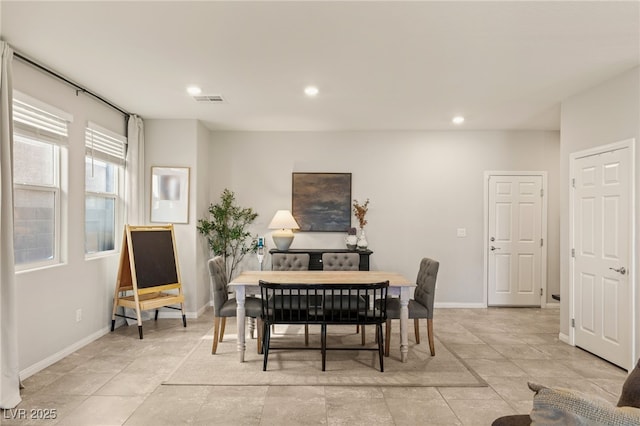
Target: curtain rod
78, 87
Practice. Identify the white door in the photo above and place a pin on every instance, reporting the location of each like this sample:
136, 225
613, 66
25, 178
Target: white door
601, 220
515, 240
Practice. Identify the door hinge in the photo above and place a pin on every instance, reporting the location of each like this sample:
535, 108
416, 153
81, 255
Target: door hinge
573, 252
573, 322
573, 182
541, 292
542, 192
541, 242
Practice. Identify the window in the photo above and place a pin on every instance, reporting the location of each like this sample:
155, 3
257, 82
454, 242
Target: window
40, 134
104, 176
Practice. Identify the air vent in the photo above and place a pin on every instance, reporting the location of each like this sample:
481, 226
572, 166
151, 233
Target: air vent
216, 99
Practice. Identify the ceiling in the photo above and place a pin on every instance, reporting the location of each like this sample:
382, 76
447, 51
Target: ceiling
378, 65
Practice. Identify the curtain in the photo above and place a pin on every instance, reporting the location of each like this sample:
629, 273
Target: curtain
134, 194
9, 368
134, 190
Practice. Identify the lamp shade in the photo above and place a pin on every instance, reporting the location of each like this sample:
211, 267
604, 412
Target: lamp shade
284, 222
283, 219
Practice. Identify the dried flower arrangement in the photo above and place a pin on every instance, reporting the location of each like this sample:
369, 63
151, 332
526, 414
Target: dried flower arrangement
360, 210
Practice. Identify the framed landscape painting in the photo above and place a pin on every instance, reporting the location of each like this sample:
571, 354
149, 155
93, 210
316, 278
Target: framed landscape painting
321, 202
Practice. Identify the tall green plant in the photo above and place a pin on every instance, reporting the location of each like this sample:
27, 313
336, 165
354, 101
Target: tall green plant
226, 231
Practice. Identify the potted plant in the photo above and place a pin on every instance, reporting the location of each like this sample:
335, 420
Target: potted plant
226, 231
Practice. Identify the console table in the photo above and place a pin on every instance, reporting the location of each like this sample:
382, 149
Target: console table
315, 256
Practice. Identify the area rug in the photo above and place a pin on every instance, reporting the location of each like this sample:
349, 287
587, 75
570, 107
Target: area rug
304, 367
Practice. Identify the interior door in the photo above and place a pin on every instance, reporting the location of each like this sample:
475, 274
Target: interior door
601, 210
515, 240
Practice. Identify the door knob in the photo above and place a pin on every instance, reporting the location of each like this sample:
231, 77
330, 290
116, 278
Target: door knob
494, 248
621, 270
492, 239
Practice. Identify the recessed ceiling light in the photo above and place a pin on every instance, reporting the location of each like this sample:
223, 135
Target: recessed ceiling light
194, 90
458, 119
311, 90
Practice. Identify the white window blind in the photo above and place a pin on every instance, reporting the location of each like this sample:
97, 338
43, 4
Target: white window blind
33, 118
105, 145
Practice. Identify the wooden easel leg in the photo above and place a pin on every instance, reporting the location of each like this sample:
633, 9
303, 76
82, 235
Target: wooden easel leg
216, 328
184, 317
156, 317
363, 328
306, 334
430, 333
113, 324
139, 319
416, 327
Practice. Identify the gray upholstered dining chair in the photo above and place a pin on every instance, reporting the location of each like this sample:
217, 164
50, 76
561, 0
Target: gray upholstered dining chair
224, 307
340, 261
292, 262
421, 306
343, 262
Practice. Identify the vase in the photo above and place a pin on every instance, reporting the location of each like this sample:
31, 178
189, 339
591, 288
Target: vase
362, 240
351, 241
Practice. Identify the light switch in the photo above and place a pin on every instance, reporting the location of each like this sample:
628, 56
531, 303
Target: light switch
461, 232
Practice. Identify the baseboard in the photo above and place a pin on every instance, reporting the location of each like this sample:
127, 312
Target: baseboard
173, 314
41, 365
564, 338
453, 305
553, 305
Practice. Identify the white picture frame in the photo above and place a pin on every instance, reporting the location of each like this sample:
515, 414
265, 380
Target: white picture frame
170, 194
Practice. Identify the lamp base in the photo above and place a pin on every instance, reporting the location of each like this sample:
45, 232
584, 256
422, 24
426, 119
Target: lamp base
282, 239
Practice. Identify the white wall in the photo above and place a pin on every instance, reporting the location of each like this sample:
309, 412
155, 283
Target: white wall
607, 113
422, 186
49, 297
202, 204
183, 143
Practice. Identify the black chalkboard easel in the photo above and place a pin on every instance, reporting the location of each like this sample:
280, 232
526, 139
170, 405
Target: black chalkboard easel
148, 275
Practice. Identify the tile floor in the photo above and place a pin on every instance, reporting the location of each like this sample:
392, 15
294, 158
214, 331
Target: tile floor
117, 380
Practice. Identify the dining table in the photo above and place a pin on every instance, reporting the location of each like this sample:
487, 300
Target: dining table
248, 283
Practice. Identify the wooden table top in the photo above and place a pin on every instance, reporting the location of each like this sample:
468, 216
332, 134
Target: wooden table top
321, 277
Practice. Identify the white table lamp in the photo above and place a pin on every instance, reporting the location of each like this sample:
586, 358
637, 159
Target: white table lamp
283, 222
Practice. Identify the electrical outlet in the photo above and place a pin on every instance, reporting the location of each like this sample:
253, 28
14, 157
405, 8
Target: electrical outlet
78, 315
461, 232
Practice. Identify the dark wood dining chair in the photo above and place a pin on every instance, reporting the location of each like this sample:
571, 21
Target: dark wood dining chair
344, 262
292, 262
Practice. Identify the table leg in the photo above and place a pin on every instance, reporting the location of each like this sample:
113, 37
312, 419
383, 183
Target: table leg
252, 326
404, 320
240, 319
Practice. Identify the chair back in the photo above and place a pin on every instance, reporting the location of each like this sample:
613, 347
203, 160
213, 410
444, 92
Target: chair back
290, 261
426, 284
323, 303
340, 261
218, 277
